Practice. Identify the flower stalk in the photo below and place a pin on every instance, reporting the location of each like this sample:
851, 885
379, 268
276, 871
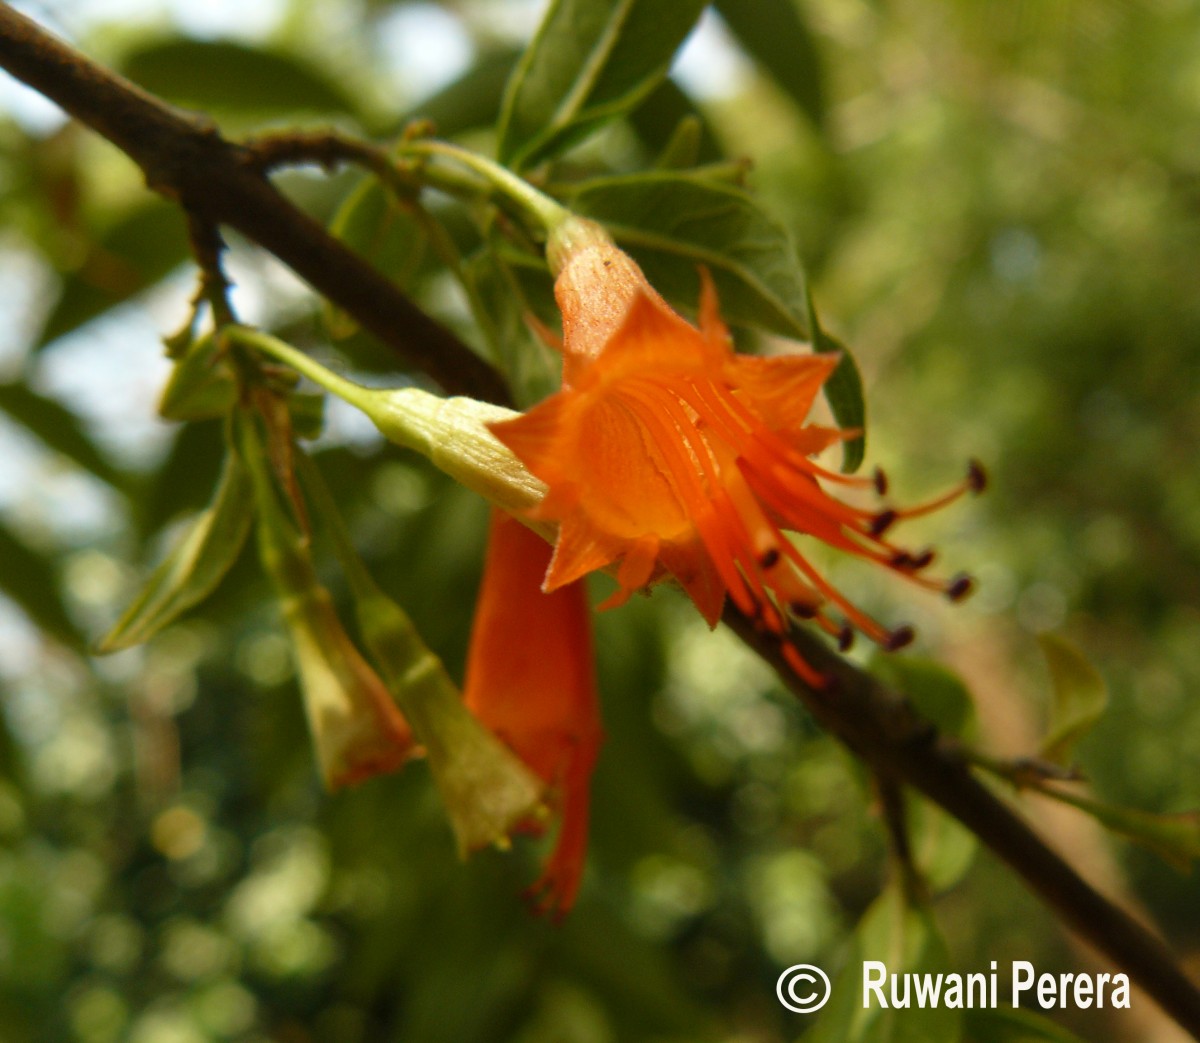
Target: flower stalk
545, 213
452, 433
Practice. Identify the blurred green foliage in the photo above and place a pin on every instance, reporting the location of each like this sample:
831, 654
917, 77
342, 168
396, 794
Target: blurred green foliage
1000, 207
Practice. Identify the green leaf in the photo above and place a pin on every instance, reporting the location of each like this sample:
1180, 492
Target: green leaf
1006, 1025
936, 691
373, 223
1174, 837
30, 580
674, 222
180, 485
774, 34
508, 293
658, 117
13, 772
214, 75
906, 940
57, 427
307, 412
140, 248
682, 149
943, 849
591, 61
202, 385
192, 570
1080, 697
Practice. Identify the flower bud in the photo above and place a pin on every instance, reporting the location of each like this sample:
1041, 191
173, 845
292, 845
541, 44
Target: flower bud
486, 789
356, 727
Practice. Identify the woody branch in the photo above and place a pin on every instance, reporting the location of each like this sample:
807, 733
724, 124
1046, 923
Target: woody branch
184, 158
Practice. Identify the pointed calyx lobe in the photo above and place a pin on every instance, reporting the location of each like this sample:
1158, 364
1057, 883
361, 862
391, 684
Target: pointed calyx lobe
667, 452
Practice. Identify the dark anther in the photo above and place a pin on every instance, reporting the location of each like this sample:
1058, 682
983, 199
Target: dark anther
924, 559
960, 587
770, 558
881, 482
882, 522
845, 638
899, 638
907, 562
802, 610
976, 477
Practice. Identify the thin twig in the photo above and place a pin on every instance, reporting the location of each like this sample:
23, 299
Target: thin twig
328, 149
208, 248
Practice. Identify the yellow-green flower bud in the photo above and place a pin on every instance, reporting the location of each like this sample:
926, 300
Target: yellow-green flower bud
356, 727
486, 788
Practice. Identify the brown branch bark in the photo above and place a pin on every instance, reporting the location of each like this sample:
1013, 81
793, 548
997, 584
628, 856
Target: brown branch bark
185, 158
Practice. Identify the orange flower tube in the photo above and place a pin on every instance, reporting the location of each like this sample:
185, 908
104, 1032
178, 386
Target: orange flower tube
530, 679
667, 452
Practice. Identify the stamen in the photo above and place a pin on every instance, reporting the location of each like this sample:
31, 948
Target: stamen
873, 629
729, 539
824, 527
827, 623
876, 481
976, 477
804, 671
883, 521
722, 529
937, 503
699, 424
817, 514
649, 405
959, 587
924, 559
771, 458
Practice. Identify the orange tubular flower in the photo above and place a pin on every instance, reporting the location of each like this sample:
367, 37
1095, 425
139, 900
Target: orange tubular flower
530, 680
667, 452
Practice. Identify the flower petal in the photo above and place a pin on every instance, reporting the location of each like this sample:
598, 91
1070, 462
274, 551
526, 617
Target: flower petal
530, 678
581, 548
781, 389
